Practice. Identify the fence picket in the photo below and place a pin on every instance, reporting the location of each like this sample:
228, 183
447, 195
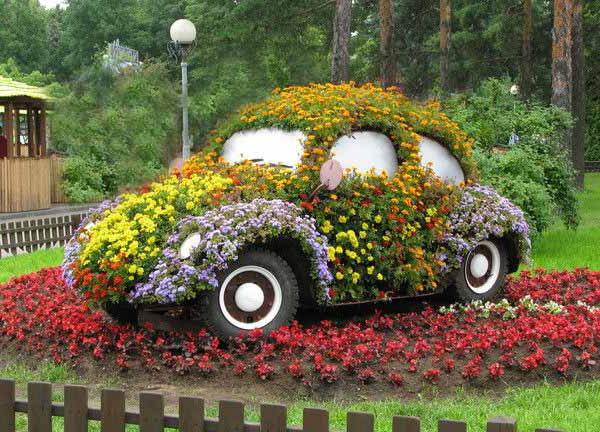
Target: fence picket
315, 420
7, 406
152, 412
231, 416
360, 422
39, 412
452, 426
273, 418
112, 406
406, 424
191, 414
502, 424
76, 407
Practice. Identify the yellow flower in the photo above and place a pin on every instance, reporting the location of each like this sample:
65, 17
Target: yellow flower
331, 253
370, 270
379, 276
378, 218
343, 219
339, 276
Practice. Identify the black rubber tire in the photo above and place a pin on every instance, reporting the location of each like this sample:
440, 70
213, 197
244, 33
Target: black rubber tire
210, 310
460, 288
123, 313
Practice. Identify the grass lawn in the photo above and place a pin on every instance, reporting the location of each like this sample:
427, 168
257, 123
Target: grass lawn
29, 263
560, 248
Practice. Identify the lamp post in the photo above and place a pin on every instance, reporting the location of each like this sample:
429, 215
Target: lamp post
183, 35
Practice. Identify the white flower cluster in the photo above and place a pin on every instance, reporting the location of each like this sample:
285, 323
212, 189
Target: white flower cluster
508, 310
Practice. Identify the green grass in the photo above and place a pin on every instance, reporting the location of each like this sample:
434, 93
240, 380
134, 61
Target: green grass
29, 263
560, 248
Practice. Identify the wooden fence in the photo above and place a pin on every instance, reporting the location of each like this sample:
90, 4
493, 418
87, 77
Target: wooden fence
28, 235
113, 416
592, 166
24, 184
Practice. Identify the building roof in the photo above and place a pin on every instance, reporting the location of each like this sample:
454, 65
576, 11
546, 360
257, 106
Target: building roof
10, 88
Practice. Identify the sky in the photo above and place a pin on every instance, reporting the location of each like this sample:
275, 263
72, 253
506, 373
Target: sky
52, 3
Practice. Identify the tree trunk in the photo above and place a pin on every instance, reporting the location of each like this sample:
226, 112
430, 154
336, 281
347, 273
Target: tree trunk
386, 43
445, 14
578, 59
526, 76
340, 60
562, 73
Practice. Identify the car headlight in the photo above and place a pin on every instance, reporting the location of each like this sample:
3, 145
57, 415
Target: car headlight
188, 245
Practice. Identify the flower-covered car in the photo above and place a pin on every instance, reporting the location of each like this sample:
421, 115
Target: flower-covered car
253, 226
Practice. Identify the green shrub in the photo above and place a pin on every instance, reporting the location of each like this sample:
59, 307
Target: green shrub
534, 171
117, 131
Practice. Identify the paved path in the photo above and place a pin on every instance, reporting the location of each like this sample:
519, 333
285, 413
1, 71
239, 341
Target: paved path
54, 211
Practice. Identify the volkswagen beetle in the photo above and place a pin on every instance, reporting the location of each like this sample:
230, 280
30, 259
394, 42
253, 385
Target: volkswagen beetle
318, 196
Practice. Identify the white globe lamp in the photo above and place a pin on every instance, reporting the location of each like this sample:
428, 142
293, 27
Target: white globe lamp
183, 32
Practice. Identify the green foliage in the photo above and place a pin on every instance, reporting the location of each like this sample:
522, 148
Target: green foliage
534, 173
117, 130
24, 34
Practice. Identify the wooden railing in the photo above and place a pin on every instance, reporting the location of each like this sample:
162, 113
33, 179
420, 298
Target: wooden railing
151, 417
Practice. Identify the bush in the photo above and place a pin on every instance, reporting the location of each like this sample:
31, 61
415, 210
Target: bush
533, 171
116, 130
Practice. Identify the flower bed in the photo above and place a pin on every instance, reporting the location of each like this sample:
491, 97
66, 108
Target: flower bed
549, 322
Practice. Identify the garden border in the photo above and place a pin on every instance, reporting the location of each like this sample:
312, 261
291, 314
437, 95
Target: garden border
151, 417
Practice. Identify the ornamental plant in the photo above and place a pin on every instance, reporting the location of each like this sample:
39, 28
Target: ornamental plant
395, 226
44, 318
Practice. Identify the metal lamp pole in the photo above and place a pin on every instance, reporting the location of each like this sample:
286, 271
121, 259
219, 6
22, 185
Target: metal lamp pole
185, 134
183, 36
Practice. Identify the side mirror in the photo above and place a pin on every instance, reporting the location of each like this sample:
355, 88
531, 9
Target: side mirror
331, 174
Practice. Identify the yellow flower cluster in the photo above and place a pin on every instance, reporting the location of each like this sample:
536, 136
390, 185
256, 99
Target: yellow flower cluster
129, 236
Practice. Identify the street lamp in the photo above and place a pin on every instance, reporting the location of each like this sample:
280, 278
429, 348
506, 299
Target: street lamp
183, 35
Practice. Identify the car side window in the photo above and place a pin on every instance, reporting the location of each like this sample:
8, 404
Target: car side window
366, 150
267, 146
441, 161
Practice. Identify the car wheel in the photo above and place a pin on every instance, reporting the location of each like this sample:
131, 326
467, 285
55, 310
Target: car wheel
482, 272
258, 291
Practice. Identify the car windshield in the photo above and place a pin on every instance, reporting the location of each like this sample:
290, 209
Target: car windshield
441, 161
366, 150
268, 146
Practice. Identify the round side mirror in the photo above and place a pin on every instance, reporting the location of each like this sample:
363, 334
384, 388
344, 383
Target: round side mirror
331, 174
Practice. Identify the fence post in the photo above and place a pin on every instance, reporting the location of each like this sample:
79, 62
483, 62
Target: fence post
360, 422
406, 424
452, 426
231, 416
273, 418
315, 420
152, 412
76, 407
191, 414
7, 406
112, 406
502, 424
39, 403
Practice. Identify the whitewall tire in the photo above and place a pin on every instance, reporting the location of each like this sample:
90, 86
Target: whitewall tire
258, 291
482, 272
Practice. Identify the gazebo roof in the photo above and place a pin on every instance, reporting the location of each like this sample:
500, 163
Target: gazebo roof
10, 89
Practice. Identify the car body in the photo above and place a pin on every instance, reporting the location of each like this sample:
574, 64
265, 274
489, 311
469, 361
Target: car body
261, 221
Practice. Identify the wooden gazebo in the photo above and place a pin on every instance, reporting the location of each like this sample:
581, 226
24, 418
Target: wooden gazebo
26, 174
